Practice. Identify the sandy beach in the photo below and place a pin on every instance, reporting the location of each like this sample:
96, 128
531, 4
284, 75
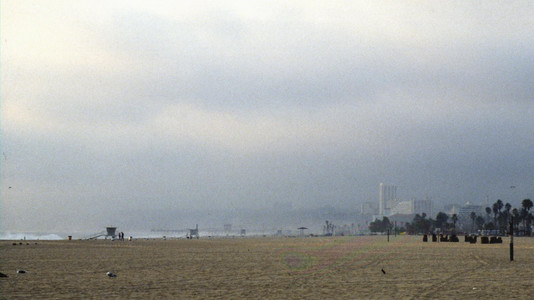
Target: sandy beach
267, 268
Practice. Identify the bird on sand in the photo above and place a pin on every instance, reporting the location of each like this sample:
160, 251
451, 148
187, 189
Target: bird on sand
383, 271
111, 274
21, 271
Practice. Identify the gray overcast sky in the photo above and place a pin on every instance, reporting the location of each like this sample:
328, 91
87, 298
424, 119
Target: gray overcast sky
110, 106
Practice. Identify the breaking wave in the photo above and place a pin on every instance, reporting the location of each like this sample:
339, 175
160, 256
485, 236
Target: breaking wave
29, 236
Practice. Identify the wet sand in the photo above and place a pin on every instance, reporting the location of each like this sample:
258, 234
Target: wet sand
268, 268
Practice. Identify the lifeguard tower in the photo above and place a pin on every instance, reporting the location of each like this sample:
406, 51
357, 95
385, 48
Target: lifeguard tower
194, 233
110, 231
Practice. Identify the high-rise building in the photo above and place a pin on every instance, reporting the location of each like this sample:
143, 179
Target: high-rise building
387, 196
468, 208
422, 206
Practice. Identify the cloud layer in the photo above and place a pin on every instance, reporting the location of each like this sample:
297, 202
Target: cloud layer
127, 106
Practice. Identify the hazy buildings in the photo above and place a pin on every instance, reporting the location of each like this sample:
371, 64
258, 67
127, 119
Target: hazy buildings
422, 206
402, 208
468, 208
452, 209
413, 207
387, 196
388, 204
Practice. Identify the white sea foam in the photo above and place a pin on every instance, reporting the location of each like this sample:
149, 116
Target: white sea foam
29, 236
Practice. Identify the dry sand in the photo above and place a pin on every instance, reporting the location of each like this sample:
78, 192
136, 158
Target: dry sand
262, 268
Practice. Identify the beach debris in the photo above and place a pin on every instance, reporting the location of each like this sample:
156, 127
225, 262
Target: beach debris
111, 274
383, 271
2, 274
21, 271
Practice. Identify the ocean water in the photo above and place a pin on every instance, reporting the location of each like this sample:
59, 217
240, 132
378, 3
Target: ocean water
135, 234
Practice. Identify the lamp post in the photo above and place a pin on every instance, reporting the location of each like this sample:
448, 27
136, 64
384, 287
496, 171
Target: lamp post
512, 238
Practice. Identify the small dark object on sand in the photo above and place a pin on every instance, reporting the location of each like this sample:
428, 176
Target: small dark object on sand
3, 275
21, 272
383, 271
111, 274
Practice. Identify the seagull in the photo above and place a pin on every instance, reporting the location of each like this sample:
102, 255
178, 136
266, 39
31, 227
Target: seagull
111, 274
21, 271
383, 271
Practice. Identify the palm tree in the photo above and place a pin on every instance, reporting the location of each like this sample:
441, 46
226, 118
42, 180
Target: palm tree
523, 215
497, 206
516, 218
441, 220
507, 207
504, 217
527, 217
527, 204
500, 205
454, 219
473, 216
488, 211
480, 222
530, 217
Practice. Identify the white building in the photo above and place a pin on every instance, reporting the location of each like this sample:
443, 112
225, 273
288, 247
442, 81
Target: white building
402, 208
468, 208
387, 198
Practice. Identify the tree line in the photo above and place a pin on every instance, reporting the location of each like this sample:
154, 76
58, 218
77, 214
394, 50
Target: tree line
496, 220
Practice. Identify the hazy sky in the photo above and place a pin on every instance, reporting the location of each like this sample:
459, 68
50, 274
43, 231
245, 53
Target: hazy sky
115, 107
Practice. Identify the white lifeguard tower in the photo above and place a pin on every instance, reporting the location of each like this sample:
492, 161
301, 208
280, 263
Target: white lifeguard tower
110, 232
194, 233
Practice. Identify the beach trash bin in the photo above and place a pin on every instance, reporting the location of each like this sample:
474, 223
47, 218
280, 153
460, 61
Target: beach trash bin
484, 240
70, 237
425, 238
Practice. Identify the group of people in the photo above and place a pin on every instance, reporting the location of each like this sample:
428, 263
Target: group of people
121, 236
